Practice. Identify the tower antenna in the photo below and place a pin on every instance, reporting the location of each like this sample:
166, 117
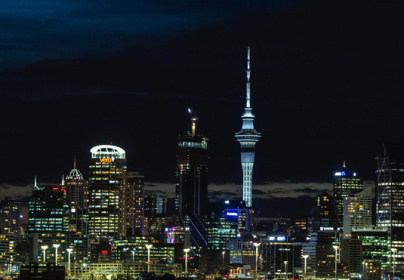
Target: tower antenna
248, 105
194, 119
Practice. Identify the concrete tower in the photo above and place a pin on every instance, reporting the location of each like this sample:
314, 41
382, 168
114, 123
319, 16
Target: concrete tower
247, 137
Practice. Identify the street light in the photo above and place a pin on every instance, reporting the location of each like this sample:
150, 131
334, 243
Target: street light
256, 258
133, 254
286, 269
305, 265
365, 265
68, 260
186, 260
56, 246
336, 253
44, 252
394, 251
148, 246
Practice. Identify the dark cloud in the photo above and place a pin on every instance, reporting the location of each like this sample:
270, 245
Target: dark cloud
215, 194
311, 190
258, 192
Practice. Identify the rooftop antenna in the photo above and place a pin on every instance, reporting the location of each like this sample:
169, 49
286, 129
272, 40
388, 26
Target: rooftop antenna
343, 164
74, 166
194, 118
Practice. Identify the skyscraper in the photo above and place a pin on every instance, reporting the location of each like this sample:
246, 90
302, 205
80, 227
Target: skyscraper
345, 183
192, 173
247, 138
47, 220
131, 204
77, 201
107, 162
390, 197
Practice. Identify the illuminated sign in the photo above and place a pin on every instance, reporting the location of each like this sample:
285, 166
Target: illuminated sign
281, 238
326, 228
226, 202
234, 214
106, 160
277, 238
104, 252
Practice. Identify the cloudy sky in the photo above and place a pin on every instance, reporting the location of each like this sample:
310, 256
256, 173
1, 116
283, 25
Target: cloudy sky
326, 87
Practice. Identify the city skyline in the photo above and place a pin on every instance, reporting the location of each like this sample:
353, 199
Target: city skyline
321, 91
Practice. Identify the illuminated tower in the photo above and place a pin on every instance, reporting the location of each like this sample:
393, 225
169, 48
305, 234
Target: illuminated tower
106, 164
247, 137
345, 183
192, 173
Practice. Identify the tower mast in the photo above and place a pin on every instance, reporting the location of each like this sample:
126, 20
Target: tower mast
247, 138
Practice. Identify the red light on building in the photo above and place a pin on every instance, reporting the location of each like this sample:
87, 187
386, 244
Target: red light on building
104, 252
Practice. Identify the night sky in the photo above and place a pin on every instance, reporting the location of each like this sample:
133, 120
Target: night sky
327, 85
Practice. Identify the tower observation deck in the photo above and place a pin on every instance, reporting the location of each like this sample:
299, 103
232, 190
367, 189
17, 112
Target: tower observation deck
247, 138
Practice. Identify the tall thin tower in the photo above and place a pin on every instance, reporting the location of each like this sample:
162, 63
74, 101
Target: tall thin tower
247, 138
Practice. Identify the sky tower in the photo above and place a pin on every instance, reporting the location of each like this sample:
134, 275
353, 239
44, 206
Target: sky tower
247, 137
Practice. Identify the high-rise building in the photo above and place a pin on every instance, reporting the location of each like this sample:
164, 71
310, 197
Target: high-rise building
192, 173
155, 206
345, 183
77, 201
247, 138
10, 233
107, 162
10, 220
357, 211
131, 204
48, 221
390, 198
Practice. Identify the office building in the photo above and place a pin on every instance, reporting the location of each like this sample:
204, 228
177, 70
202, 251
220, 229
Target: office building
107, 162
345, 182
48, 221
131, 204
390, 198
10, 233
357, 211
247, 138
155, 208
192, 173
77, 202
375, 246
322, 256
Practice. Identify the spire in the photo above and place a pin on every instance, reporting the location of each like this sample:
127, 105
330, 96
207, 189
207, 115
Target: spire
343, 164
248, 78
63, 179
74, 166
35, 184
194, 118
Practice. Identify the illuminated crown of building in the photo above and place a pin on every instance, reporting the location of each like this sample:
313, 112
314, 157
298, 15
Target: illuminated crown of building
247, 138
107, 151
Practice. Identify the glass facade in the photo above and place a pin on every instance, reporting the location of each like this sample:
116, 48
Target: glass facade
345, 183
390, 198
106, 164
